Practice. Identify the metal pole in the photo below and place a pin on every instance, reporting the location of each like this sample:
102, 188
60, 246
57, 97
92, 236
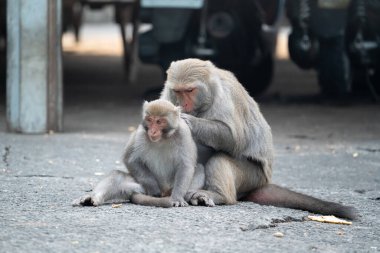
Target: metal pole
34, 71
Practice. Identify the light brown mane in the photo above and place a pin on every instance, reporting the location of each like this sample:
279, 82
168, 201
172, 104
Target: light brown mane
160, 107
188, 71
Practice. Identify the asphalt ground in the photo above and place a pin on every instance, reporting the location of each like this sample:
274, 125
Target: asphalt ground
324, 148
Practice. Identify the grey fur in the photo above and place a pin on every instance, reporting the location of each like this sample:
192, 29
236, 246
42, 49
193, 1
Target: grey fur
227, 119
155, 168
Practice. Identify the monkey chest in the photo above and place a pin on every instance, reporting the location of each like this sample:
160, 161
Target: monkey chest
161, 165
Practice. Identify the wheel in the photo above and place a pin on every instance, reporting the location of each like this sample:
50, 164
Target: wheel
256, 78
334, 72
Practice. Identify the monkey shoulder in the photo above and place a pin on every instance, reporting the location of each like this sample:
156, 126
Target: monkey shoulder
186, 137
240, 112
181, 145
183, 129
133, 147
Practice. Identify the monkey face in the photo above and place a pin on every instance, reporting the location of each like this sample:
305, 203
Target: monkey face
160, 119
155, 127
186, 96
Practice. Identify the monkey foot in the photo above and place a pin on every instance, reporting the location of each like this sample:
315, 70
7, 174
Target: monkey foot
201, 198
179, 204
86, 200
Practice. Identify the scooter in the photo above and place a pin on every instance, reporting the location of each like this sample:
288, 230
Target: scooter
341, 40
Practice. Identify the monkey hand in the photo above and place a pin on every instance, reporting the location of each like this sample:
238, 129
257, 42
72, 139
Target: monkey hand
87, 200
189, 119
201, 198
178, 202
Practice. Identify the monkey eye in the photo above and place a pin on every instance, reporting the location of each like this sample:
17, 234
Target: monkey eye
190, 90
161, 121
149, 119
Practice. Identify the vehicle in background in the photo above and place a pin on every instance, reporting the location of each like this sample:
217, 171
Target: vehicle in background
235, 35
341, 40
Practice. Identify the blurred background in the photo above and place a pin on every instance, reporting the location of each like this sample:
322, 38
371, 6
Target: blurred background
115, 52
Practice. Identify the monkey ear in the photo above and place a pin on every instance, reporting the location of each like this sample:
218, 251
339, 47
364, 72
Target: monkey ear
145, 105
170, 67
176, 112
174, 116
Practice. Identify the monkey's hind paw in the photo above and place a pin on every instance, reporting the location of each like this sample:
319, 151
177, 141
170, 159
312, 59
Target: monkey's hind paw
86, 200
201, 199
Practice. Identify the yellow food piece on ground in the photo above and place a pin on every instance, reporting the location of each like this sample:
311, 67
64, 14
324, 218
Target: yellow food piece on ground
329, 219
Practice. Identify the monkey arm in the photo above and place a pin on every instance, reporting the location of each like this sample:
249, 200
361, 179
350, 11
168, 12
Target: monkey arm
182, 180
212, 133
137, 168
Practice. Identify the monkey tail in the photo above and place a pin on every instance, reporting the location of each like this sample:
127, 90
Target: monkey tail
275, 195
145, 200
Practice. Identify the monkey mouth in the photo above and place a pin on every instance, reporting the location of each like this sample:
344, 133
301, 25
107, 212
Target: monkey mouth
154, 139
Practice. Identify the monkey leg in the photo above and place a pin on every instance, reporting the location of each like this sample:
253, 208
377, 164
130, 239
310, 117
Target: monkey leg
199, 177
227, 179
197, 183
117, 185
220, 183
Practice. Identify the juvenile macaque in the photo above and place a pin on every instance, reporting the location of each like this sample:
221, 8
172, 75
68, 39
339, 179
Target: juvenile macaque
161, 159
223, 116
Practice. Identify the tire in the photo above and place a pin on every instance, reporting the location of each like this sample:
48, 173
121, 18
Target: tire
334, 72
256, 78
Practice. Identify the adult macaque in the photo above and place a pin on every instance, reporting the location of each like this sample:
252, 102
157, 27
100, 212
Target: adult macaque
223, 116
161, 159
